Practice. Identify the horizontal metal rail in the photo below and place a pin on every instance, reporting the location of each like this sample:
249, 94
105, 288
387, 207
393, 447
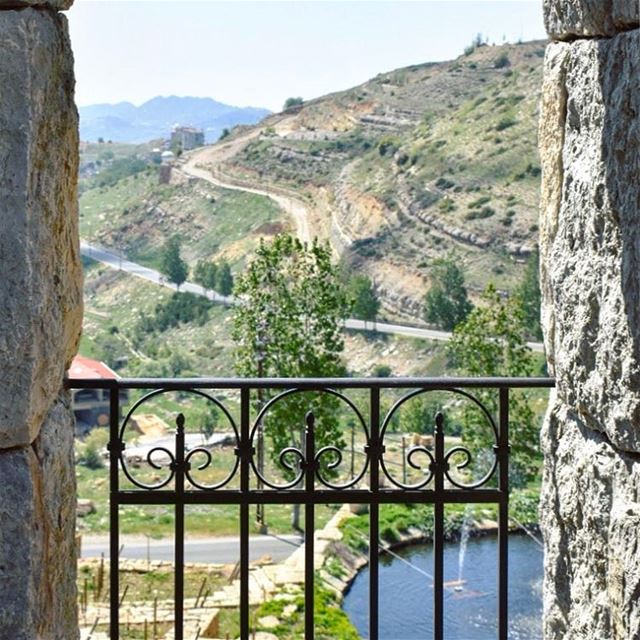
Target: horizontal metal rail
312, 469
311, 384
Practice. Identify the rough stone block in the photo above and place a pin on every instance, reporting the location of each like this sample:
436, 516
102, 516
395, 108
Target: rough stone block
590, 518
590, 230
568, 19
37, 525
58, 5
41, 284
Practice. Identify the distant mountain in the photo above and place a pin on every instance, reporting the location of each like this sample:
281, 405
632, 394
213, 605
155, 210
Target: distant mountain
124, 122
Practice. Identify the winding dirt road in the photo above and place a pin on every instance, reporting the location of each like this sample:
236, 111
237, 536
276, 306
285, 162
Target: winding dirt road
205, 164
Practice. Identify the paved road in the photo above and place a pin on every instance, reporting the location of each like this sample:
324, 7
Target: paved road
213, 550
115, 261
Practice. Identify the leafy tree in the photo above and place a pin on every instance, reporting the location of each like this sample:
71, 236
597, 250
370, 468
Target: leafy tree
366, 304
171, 263
206, 274
529, 294
225, 134
207, 418
224, 279
292, 102
492, 342
287, 324
446, 303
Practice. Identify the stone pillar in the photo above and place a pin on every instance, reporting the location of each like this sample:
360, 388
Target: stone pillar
590, 276
40, 321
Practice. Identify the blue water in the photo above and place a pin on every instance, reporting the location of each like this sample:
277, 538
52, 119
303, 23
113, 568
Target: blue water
406, 594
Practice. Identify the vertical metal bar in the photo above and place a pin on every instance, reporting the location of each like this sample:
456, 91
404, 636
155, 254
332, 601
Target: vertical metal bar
115, 449
309, 525
374, 515
244, 511
503, 517
438, 532
179, 467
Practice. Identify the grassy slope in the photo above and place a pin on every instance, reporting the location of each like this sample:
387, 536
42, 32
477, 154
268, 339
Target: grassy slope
137, 215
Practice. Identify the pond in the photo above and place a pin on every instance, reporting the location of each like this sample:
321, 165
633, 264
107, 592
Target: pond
470, 613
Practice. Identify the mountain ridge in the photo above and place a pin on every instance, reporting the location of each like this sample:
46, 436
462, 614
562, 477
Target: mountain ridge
126, 122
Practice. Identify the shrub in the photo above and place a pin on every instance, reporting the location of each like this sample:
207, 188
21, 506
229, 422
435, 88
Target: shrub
387, 146
444, 183
382, 371
485, 212
502, 61
479, 202
446, 205
505, 123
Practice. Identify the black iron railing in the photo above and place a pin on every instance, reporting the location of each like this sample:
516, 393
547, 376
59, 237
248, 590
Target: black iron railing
311, 474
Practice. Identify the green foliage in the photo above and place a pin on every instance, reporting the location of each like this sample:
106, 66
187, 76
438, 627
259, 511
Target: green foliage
182, 307
446, 303
225, 134
529, 293
287, 324
477, 42
506, 123
492, 342
366, 304
224, 279
118, 170
382, 371
206, 419
90, 451
418, 414
171, 263
502, 61
206, 273
475, 204
480, 214
293, 102
387, 145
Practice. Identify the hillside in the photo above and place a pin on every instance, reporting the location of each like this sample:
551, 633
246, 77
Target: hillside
124, 122
407, 167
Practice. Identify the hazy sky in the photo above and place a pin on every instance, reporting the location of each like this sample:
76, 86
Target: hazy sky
260, 53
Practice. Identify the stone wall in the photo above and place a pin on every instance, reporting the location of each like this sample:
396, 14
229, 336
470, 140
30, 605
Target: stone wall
590, 276
40, 316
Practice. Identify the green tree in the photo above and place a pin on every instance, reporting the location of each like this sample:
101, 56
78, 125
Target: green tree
224, 279
529, 293
492, 342
446, 303
292, 102
366, 304
291, 304
171, 263
418, 414
206, 274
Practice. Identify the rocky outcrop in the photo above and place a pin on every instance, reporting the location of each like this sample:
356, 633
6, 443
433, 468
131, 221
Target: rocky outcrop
590, 278
40, 316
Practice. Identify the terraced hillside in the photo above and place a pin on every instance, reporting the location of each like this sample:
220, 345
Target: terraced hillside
409, 166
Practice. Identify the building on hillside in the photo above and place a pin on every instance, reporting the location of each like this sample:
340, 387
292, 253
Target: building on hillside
91, 406
186, 138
